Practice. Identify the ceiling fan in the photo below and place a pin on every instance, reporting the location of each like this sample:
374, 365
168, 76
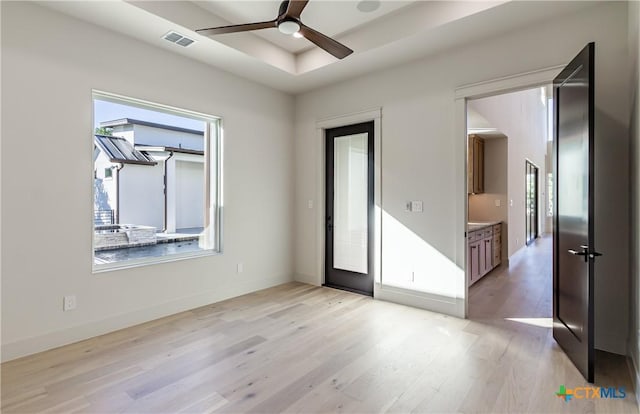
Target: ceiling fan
288, 22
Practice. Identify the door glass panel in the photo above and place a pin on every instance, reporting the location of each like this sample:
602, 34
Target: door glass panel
350, 203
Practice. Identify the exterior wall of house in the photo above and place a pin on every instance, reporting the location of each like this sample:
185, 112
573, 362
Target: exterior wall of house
37, 62
422, 156
142, 195
189, 194
105, 192
146, 135
124, 131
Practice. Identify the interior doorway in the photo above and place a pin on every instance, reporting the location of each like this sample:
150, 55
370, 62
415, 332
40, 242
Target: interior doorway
509, 256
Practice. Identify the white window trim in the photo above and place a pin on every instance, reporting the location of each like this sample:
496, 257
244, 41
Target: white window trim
213, 149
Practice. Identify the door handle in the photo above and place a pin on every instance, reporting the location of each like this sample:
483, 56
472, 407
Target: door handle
585, 252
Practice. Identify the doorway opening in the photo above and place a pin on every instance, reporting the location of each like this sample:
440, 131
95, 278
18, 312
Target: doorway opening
509, 235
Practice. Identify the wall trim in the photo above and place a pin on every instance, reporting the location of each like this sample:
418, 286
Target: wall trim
506, 84
435, 303
351, 118
32, 345
509, 83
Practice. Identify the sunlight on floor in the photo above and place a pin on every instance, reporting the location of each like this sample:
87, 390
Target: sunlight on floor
541, 322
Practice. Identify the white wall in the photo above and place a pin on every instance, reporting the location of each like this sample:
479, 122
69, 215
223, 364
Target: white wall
50, 63
521, 116
634, 92
482, 207
419, 161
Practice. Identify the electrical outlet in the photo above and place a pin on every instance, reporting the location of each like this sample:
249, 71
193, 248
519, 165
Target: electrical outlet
69, 303
310, 204
498, 202
240, 268
416, 206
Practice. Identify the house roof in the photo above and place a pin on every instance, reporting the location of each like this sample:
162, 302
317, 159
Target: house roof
131, 121
150, 148
120, 150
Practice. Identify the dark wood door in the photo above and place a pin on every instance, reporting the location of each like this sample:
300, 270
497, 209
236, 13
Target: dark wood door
349, 208
573, 253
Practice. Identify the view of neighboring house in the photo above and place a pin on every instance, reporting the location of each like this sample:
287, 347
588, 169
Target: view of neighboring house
149, 174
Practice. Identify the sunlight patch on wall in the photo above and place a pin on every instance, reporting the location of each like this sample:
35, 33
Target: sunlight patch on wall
409, 262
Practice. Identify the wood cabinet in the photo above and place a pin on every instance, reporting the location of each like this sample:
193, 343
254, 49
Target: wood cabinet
488, 255
474, 260
475, 165
484, 251
497, 244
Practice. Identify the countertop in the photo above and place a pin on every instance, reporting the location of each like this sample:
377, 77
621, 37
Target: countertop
473, 226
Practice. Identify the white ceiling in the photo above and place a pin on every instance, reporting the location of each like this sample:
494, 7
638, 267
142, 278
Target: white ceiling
330, 17
398, 32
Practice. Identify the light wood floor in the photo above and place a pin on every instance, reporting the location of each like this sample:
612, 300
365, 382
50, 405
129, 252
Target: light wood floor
298, 348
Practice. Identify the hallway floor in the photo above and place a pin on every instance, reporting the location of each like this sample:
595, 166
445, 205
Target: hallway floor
517, 298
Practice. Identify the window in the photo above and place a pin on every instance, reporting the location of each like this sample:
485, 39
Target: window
157, 181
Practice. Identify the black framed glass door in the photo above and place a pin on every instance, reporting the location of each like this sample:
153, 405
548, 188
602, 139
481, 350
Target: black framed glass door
349, 208
531, 202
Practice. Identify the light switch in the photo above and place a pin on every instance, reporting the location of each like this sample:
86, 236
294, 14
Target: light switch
510, 203
407, 207
416, 206
498, 202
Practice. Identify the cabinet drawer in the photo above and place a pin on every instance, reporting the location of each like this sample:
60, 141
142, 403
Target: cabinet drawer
472, 236
487, 233
497, 229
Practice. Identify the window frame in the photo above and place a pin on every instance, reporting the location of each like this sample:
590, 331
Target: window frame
213, 150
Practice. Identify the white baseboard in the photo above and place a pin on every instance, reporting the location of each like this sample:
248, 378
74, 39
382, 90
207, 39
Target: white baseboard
50, 340
308, 279
427, 301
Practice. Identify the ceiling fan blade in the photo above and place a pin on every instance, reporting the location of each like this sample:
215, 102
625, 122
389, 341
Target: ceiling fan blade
337, 49
237, 28
295, 7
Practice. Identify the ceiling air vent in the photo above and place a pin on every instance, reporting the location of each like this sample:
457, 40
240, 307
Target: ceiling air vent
177, 38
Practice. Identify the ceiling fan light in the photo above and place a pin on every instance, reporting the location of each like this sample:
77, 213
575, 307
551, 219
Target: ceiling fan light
288, 27
298, 35
368, 6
